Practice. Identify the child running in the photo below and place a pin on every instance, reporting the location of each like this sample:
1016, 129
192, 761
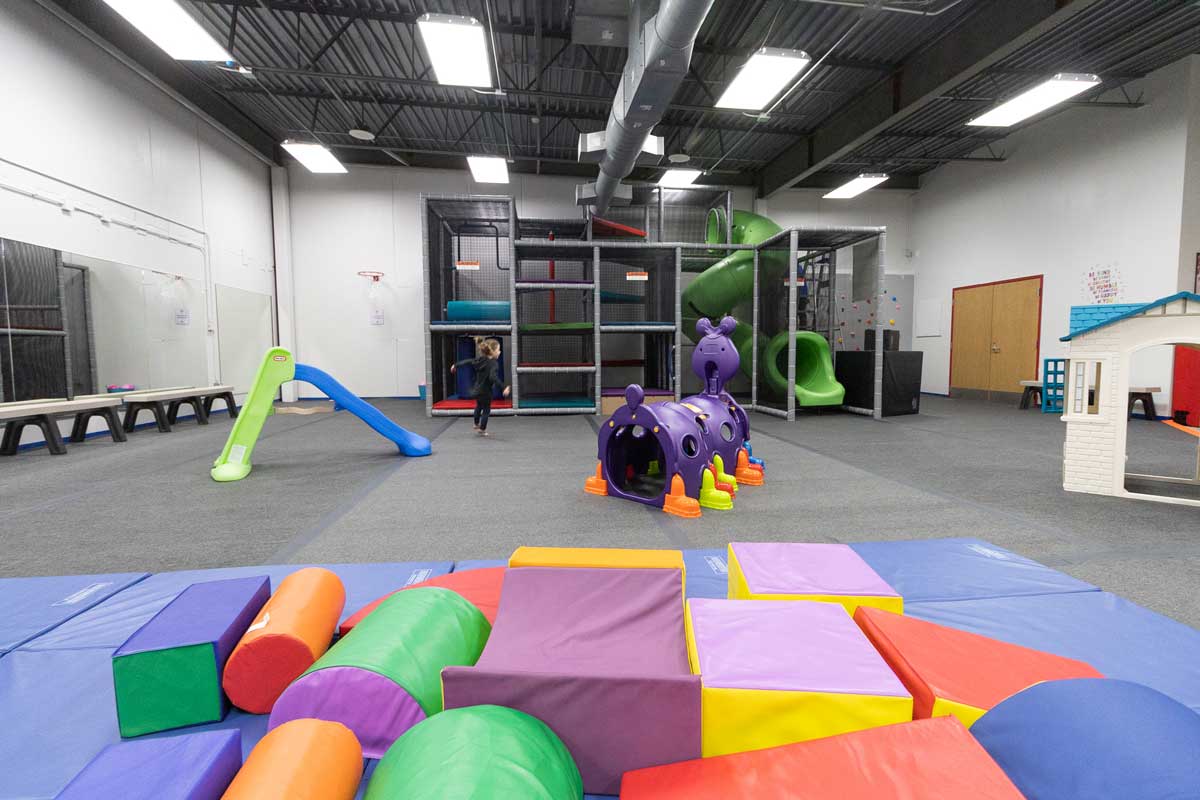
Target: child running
487, 380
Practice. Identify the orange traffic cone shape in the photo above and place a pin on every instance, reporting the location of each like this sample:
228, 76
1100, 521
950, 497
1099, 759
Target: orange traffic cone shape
678, 503
745, 472
596, 484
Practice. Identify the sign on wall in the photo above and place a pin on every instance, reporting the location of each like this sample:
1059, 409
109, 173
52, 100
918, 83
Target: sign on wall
1102, 285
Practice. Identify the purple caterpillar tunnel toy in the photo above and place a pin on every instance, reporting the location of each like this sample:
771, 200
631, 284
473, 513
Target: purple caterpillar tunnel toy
674, 455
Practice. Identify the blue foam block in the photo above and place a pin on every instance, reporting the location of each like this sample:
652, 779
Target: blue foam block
195, 766
1094, 738
209, 612
111, 622
1117, 637
34, 606
707, 573
962, 569
479, 563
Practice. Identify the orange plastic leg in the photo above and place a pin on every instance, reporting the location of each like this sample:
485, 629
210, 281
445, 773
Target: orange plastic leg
678, 503
746, 472
596, 484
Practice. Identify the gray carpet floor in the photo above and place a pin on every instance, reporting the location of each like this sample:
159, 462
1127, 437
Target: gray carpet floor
325, 488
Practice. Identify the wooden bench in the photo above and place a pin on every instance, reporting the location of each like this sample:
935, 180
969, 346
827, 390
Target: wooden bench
1031, 388
45, 413
165, 404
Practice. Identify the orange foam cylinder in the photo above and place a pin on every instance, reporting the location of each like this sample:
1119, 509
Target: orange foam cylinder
305, 759
291, 632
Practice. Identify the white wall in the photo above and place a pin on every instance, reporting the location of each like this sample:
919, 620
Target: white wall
370, 219
97, 161
1087, 188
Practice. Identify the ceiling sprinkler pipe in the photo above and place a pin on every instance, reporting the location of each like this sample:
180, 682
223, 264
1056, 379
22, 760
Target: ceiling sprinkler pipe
923, 10
663, 52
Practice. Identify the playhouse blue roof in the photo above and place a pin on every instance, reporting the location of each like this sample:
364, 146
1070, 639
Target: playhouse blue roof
1085, 319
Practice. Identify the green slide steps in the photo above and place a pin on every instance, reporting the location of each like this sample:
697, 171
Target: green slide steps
277, 367
815, 381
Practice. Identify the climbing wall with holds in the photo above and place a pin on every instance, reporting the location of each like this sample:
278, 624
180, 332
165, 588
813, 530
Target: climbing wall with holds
855, 317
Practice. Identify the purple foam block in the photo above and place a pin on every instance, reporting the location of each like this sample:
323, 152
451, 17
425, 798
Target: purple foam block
196, 766
787, 568
600, 656
786, 645
213, 612
374, 706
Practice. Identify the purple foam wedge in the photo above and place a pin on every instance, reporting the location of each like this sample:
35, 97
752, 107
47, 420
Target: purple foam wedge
600, 656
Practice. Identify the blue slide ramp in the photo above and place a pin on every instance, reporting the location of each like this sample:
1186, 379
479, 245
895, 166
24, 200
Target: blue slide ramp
410, 444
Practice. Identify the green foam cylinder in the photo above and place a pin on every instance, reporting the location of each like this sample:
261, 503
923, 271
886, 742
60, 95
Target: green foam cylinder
410, 637
477, 752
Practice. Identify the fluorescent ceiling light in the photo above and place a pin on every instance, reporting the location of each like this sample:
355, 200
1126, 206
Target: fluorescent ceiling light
763, 77
314, 157
488, 169
165, 23
678, 178
1061, 87
457, 49
857, 186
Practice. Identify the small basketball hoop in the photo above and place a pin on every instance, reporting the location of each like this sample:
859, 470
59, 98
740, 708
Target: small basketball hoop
374, 276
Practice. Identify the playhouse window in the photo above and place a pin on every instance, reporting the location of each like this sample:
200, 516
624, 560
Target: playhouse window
1085, 388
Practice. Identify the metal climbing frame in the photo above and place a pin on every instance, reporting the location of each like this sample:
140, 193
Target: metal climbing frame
566, 302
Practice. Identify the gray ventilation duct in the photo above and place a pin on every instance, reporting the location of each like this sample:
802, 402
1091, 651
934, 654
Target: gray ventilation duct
660, 51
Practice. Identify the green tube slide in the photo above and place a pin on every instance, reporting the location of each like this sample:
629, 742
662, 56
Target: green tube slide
719, 288
477, 752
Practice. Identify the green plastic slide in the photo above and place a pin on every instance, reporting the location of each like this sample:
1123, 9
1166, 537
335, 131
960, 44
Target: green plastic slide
478, 752
719, 288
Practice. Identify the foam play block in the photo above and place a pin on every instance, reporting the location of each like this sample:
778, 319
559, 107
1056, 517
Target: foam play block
777, 672
953, 672
596, 557
291, 631
832, 573
195, 766
386, 676
482, 753
305, 759
479, 587
932, 759
600, 656
168, 673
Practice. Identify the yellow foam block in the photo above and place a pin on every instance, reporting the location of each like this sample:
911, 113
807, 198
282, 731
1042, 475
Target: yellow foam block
948, 708
736, 720
739, 589
596, 557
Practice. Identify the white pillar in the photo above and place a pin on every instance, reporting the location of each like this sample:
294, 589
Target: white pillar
285, 292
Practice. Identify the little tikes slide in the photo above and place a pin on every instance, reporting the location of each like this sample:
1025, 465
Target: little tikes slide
729, 282
277, 368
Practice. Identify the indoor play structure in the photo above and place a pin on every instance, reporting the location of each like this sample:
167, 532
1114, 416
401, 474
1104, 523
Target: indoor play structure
1095, 397
277, 368
937, 669
673, 455
585, 307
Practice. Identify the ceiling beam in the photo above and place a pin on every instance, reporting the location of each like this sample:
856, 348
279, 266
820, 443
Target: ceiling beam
509, 28
402, 102
981, 41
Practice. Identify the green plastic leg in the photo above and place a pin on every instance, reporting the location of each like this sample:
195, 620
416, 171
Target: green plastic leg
722, 477
711, 496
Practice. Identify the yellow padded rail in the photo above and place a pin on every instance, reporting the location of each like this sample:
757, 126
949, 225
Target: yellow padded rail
596, 557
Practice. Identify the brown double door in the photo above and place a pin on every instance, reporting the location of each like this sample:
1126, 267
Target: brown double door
994, 337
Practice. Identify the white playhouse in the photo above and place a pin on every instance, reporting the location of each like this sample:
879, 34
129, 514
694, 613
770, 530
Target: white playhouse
1096, 400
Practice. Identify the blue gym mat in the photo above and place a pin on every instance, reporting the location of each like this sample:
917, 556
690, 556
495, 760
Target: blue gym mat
479, 563
962, 569
707, 573
1117, 637
33, 606
111, 622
